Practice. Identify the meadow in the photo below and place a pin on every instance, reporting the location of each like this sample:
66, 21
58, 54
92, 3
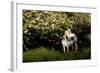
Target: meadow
47, 54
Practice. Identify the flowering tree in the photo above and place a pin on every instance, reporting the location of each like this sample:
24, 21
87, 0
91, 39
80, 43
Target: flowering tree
45, 28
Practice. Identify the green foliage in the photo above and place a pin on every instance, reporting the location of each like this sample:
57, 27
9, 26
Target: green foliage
47, 27
46, 54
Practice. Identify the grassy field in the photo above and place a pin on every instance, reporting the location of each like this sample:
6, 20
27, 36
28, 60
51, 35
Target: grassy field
46, 54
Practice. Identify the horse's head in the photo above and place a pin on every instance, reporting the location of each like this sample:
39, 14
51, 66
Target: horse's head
67, 33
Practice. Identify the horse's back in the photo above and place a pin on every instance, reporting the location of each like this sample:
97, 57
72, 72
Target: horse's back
72, 35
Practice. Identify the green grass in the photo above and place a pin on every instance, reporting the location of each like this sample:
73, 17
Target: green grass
46, 54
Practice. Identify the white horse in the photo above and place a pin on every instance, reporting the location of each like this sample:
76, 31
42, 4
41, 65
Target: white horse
69, 39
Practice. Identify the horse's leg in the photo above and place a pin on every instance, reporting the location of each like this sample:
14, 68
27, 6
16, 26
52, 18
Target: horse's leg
64, 49
76, 46
67, 48
72, 46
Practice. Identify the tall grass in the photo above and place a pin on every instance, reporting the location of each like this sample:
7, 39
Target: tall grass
46, 54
